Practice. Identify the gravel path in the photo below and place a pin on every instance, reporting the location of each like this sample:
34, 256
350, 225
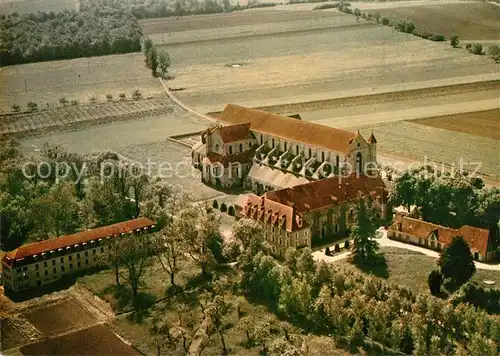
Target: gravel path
384, 241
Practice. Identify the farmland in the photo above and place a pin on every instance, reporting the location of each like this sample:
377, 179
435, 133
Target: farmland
26, 6
424, 143
470, 20
97, 340
298, 56
483, 123
75, 116
76, 79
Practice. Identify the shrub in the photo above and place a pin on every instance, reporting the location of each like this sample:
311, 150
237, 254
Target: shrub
369, 16
231, 249
487, 299
422, 34
437, 38
434, 281
230, 210
32, 106
454, 41
363, 15
109, 97
477, 48
215, 204
93, 99
327, 252
337, 248
377, 17
136, 94
346, 244
357, 12
468, 46
493, 50
326, 6
223, 207
74, 102
16, 108
404, 26
385, 21
122, 96
63, 101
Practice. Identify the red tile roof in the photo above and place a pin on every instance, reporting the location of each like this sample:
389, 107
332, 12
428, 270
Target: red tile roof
281, 215
328, 192
291, 129
78, 238
234, 133
477, 238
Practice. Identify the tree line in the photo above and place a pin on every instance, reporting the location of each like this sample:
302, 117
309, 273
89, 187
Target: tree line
449, 199
41, 36
142, 9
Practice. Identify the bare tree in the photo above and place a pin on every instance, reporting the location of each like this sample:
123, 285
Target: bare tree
136, 257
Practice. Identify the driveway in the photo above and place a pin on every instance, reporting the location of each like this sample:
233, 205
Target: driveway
385, 241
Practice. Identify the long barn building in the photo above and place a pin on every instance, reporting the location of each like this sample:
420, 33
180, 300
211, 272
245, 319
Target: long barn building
40, 263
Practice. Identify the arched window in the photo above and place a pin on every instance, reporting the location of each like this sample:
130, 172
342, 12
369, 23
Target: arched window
359, 163
261, 139
323, 156
285, 145
241, 147
337, 161
297, 149
310, 152
230, 149
273, 142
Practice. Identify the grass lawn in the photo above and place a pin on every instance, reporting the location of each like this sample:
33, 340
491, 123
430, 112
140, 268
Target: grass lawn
155, 284
411, 269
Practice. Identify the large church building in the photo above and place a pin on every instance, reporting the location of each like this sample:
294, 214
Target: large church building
263, 151
304, 179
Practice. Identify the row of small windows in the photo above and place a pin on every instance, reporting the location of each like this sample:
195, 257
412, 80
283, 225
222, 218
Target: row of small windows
70, 258
240, 147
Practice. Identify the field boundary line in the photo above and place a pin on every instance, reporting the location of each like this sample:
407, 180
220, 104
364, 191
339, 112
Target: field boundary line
179, 142
178, 102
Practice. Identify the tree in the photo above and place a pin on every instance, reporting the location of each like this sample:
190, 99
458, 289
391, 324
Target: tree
16, 108
74, 102
63, 101
32, 106
109, 97
152, 60
251, 235
214, 320
434, 281
93, 99
163, 64
477, 48
136, 257
113, 257
147, 44
169, 248
162, 333
456, 262
357, 12
493, 50
122, 96
385, 21
364, 248
136, 94
454, 41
